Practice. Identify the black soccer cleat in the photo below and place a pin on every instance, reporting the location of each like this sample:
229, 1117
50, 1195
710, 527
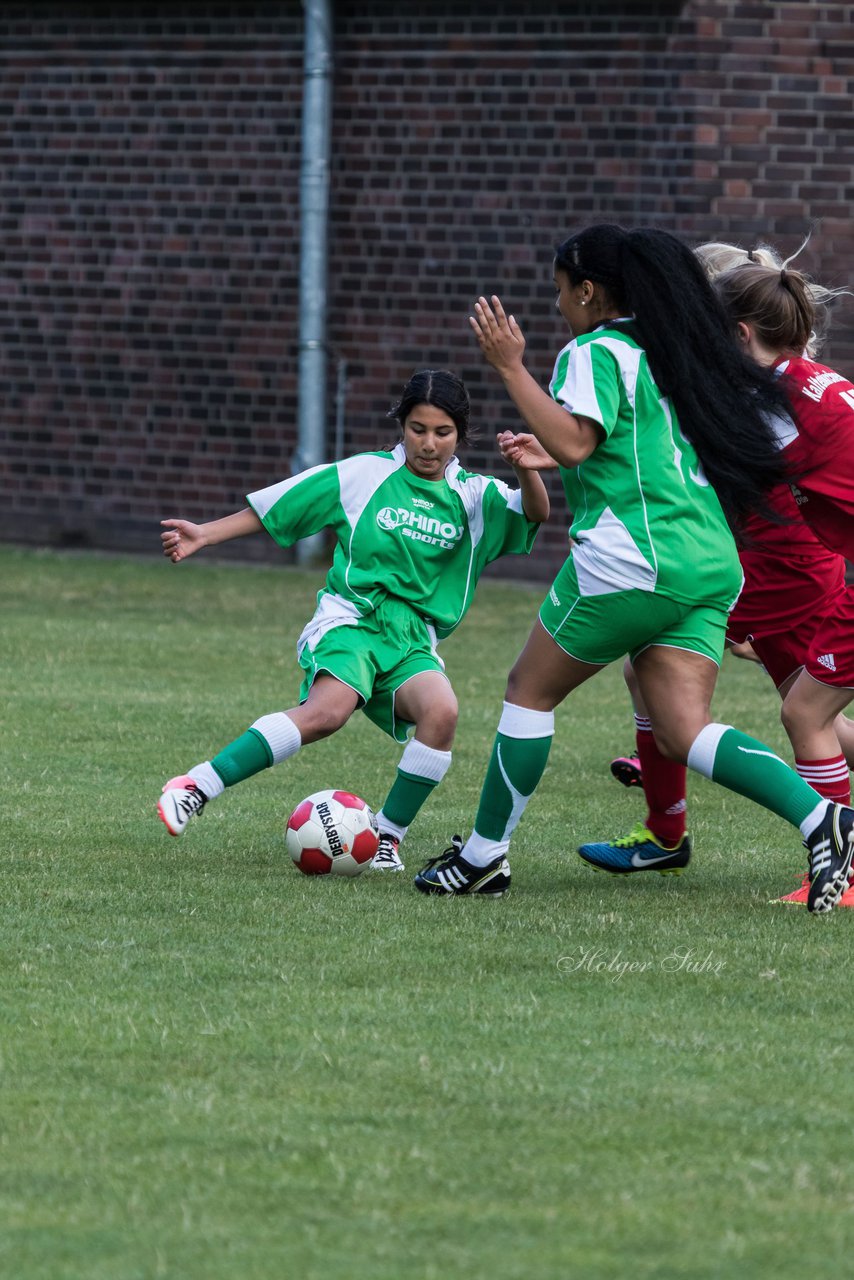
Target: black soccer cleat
831, 847
451, 875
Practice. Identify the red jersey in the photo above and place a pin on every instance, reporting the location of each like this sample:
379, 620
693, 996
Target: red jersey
789, 576
819, 447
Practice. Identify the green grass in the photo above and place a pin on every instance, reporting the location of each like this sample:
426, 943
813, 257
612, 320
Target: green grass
213, 1068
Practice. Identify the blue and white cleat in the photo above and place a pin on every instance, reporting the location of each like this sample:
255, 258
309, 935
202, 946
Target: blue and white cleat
638, 851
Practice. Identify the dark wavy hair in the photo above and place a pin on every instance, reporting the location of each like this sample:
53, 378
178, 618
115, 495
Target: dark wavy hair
725, 401
442, 389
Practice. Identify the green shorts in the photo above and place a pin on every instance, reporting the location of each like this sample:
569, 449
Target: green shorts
375, 656
602, 628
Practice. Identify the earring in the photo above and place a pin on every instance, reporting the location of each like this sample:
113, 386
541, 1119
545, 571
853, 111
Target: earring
583, 302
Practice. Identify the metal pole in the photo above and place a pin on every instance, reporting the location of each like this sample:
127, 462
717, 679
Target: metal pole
314, 207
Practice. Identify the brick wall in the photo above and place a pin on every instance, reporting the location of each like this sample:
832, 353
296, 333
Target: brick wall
149, 165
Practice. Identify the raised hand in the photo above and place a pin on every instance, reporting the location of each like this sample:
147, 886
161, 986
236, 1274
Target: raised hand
499, 336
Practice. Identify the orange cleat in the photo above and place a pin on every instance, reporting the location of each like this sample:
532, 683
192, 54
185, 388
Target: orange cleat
799, 897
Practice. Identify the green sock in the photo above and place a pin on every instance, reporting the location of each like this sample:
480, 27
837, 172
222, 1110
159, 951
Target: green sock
406, 797
243, 757
515, 768
752, 769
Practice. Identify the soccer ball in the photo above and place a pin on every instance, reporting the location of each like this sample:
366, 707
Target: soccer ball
332, 833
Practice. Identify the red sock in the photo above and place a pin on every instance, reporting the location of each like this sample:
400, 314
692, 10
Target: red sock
829, 778
664, 785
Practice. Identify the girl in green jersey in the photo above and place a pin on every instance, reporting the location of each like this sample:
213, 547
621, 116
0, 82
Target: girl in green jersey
662, 428
413, 533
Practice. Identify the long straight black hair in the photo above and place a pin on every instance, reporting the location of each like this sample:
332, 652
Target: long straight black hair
724, 401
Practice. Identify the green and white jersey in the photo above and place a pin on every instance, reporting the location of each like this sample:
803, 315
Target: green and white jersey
644, 514
424, 542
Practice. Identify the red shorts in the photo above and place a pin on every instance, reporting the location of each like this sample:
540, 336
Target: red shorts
830, 658
784, 655
784, 592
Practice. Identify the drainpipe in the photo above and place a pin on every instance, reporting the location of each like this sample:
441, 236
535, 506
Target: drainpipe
314, 206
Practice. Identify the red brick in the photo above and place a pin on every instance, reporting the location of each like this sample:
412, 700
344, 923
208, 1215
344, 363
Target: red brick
150, 213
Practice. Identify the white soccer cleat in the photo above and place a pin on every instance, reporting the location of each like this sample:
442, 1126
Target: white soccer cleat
181, 800
387, 857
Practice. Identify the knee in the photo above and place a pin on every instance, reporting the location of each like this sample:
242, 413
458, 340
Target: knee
799, 716
672, 744
513, 692
320, 721
789, 713
631, 681
437, 724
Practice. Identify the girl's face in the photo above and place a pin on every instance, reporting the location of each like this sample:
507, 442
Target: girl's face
429, 440
574, 301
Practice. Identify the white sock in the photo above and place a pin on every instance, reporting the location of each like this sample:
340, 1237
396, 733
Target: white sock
207, 780
814, 819
419, 761
701, 756
424, 762
480, 852
280, 734
523, 722
388, 828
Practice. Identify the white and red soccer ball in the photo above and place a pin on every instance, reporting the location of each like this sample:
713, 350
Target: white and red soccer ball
332, 833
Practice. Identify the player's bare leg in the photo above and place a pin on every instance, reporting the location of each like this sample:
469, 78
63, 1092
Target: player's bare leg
810, 712
427, 701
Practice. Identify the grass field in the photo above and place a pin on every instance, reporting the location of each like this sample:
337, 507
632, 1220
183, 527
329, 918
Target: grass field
213, 1067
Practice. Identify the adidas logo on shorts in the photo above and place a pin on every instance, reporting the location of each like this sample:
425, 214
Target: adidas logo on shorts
827, 660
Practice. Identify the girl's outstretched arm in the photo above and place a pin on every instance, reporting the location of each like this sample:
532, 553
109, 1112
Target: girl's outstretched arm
182, 538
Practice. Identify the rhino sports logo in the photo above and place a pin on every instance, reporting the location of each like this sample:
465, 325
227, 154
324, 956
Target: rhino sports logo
420, 527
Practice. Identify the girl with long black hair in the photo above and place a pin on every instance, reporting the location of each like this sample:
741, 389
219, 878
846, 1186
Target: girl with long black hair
792, 581
663, 431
